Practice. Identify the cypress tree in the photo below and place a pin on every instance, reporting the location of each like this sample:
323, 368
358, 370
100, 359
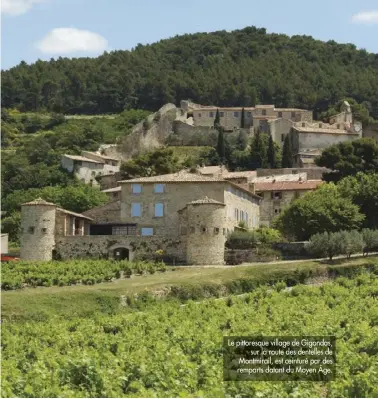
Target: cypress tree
287, 155
217, 119
221, 145
271, 153
258, 151
242, 123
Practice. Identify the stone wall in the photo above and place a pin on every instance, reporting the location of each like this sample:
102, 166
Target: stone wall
109, 181
185, 135
109, 212
239, 256
279, 128
103, 246
292, 250
312, 173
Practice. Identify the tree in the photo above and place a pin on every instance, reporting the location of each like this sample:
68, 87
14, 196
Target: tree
217, 119
271, 153
370, 238
362, 189
322, 210
11, 225
349, 158
287, 155
242, 123
258, 151
352, 242
221, 145
241, 141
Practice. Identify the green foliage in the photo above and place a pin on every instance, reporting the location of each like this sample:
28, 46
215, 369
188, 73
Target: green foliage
259, 151
217, 119
159, 162
362, 189
370, 238
348, 158
339, 243
263, 236
77, 198
271, 153
175, 351
287, 154
243, 67
20, 274
221, 146
268, 236
11, 224
324, 209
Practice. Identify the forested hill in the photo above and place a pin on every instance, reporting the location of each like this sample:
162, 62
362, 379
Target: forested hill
224, 68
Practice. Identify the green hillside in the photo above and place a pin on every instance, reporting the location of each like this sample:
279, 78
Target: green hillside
241, 67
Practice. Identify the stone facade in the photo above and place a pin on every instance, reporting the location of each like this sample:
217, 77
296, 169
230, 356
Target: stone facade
313, 173
278, 195
109, 181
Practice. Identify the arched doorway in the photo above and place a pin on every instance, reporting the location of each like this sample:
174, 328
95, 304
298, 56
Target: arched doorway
121, 254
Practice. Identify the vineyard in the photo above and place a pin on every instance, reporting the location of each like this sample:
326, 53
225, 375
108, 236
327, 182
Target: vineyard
169, 350
22, 274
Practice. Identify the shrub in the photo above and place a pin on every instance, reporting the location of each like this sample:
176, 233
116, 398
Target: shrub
242, 240
370, 238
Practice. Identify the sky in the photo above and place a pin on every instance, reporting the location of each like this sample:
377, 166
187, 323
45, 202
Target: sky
45, 29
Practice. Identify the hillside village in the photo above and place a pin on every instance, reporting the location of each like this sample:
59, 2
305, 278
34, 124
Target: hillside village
188, 214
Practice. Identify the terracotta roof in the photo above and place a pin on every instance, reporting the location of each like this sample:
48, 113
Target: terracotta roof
79, 215
280, 178
206, 200
39, 201
288, 186
112, 190
179, 177
80, 158
322, 130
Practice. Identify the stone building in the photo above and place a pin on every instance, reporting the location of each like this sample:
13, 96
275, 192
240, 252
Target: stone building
231, 117
187, 215
276, 195
90, 165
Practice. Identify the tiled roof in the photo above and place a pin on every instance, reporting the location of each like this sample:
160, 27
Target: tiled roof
80, 158
281, 178
288, 186
179, 177
79, 215
112, 190
205, 200
39, 201
322, 130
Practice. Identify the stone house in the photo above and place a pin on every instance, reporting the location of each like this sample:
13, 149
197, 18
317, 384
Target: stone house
231, 117
277, 195
187, 215
114, 194
90, 165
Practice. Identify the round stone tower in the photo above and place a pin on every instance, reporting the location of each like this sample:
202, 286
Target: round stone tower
206, 228
37, 230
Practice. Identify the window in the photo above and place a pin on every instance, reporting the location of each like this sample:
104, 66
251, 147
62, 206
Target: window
320, 124
221, 114
237, 214
282, 137
280, 114
246, 218
159, 188
211, 114
44, 230
276, 195
216, 230
277, 211
236, 114
124, 230
224, 232
264, 112
338, 125
249, 114
31, 230
241, 215
203, 229
199, 115
147, 231
159, 210
303, 124
293, 114
136, 188
136, 209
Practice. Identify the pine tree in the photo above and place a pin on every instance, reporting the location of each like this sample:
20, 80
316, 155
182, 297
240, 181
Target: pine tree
241, 141
221, 145
217, 119
271, 153
287, 155
242, 123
